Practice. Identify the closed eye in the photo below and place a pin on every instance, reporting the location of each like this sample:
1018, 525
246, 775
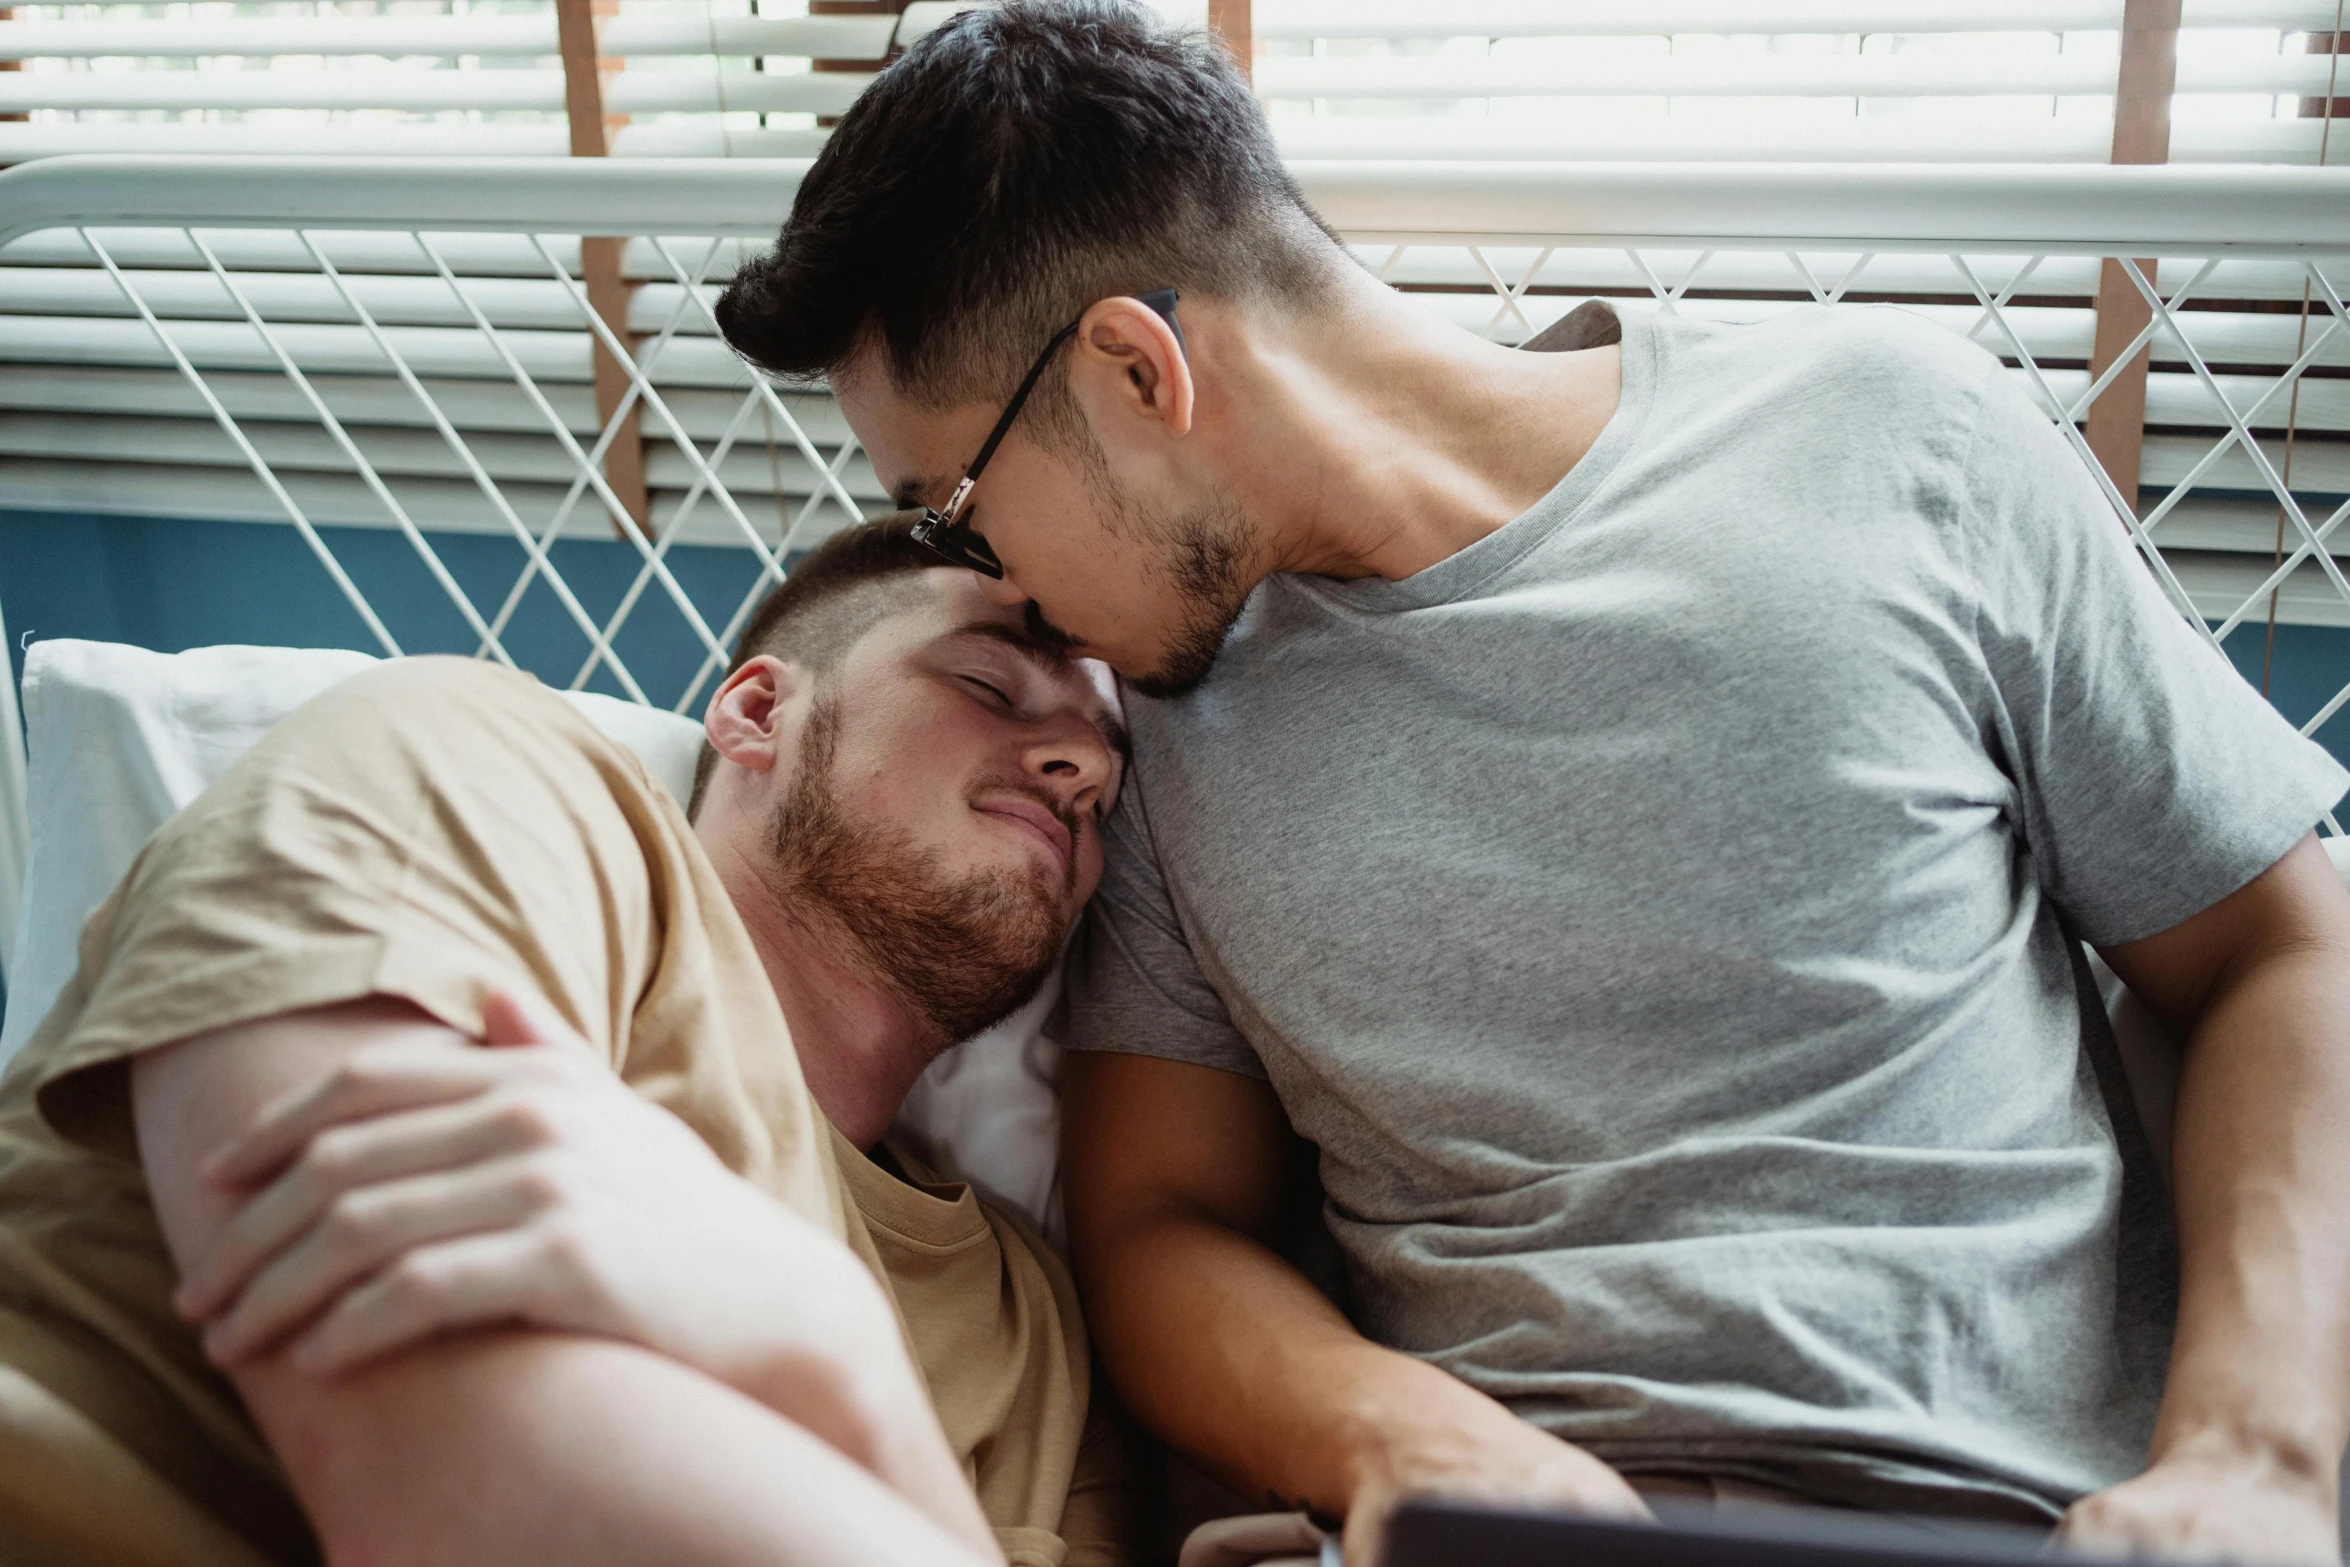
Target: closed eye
974, 680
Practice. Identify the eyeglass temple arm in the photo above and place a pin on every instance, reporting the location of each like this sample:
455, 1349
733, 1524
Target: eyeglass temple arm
995, 437
1162, 303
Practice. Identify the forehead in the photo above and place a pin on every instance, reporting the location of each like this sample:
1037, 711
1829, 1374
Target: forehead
934, 600
944, 606
917, 451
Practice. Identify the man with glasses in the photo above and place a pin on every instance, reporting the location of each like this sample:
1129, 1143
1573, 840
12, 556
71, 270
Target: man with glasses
1633, 812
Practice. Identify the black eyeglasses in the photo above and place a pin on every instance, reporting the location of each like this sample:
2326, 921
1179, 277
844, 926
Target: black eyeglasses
945, 531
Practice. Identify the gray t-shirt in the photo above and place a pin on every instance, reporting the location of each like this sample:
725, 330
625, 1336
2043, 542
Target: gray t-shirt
1656, 915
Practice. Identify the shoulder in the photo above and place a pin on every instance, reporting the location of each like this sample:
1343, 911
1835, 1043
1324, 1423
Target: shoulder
429, 708
1887, 349
1877, 384
426, 684
1879, 358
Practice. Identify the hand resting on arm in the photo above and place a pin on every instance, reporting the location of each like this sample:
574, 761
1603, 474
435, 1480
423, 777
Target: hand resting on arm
527, 1184
405, 1443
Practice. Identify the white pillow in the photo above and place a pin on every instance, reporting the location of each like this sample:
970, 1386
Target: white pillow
121, 737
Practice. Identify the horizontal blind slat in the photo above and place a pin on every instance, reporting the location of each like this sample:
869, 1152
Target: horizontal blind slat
486, 33
1761, 76
407, 454
104, 390
197, 492
2042, 138
628, 92
345, 350
1401, 19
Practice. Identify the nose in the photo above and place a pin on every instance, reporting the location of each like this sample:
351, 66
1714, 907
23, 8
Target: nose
999, 590
1072, 760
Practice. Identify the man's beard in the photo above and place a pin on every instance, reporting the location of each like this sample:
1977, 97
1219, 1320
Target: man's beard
1202, 559
962, 953
1206, 550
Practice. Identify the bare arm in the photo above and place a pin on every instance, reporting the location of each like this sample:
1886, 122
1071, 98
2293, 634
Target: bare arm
2257, 1405
497, 1447
1173, 1178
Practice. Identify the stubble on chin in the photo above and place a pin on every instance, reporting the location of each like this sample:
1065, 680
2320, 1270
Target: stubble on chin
1203, 557
1205, 567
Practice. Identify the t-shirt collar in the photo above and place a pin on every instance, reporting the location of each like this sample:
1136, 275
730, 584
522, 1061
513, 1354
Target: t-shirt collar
1465, 570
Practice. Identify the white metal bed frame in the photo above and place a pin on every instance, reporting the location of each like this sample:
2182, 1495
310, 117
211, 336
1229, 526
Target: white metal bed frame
1494, 230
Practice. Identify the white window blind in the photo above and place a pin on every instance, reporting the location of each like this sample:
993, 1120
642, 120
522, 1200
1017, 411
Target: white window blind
91, 417
1762, 79
1778, 79
702, 78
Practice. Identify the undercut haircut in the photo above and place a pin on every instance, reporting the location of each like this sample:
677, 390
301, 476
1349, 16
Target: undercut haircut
1015, 166
841, 590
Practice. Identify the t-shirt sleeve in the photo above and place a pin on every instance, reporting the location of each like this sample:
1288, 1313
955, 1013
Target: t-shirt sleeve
1135, 984
430, 829
2152, 780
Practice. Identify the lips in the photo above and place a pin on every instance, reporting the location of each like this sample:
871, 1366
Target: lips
1032, 817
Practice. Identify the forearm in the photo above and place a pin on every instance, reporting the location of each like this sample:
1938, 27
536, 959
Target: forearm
880, 1417
2262, 1157
1175, 1173
1229, 1353
531, 1446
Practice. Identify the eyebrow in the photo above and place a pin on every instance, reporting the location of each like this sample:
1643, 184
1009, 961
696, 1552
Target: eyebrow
1054, 661
909, 495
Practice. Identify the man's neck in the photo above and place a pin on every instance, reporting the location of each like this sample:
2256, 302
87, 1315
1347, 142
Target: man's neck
1377, 439
860, 1048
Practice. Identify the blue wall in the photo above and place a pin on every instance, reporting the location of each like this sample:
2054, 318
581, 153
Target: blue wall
171, 585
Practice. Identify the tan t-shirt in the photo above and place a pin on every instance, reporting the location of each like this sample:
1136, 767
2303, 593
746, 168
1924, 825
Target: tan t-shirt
430, 830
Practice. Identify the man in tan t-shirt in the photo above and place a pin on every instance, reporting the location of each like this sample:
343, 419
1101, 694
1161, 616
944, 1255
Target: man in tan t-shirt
291, 1265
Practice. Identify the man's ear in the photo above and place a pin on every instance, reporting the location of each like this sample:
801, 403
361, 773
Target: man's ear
748, 714
1127, 346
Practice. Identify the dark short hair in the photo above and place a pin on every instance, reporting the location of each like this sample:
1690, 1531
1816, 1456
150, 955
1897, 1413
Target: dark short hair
1013, 167
831, 598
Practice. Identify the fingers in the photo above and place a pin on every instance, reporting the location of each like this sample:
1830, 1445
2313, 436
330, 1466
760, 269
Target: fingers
2093, 1541
1566, 1478
2117, 1530
503, 1021
343, 1160
1616, 1501
368, 1231
398, 1076
510, 1018
372, 1082
1364, 1537
2218, 1517
474, 1281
